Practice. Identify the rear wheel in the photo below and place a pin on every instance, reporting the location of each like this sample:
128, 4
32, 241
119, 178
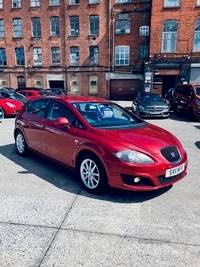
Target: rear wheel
20, 143
92, 174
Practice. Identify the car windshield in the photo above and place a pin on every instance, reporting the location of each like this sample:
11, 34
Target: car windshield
107, 115
16, 95
150, 97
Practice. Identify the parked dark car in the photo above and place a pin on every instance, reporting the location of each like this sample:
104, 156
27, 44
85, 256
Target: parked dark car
105, 143
13, 95
56, 91
150, 105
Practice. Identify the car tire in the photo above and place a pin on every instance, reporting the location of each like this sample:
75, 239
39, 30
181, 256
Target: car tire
20, 144
92, 174
2, 113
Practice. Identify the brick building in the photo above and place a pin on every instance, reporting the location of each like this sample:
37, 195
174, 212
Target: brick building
90, 47
175, 43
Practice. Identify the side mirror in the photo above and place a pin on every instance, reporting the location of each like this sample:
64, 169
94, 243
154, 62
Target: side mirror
62, 121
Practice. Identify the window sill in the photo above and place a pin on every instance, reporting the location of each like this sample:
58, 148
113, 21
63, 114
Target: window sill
171, 7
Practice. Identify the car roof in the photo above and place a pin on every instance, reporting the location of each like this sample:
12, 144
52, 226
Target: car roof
73, 99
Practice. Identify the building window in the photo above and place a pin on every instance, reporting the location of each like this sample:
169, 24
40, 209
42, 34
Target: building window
16, 3
54, 3
19, 53
55, 26
94, 55
93, 85
74, 26
55, 53
35, 3
74, 85
21, 82
123, 26
74, 2
37, 56
143, 51
3, 57
74, 55
36, 27
17, 26
144, 31
169, 36
198, 2
122, 1
196, 45
2, 30
94, 1
122, 55
1, 3
171, 3
94, 24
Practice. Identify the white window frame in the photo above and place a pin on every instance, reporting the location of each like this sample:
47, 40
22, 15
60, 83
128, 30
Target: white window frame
122, 55
1, 3
17, 27
37, 56
198, 2
122, 1
54, 2
35, 3
144, 31
2, 29
196, 43
16, 3
55, 51
169, 36
94, 1
74, 2
171, 3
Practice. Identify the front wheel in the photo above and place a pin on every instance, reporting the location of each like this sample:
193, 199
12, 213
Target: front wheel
2, 113
20, 143
92, 174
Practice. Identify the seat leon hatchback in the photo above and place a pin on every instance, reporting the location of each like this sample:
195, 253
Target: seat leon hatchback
105, 144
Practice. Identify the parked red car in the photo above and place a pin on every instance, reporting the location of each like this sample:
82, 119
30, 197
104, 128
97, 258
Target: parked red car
31, 93
105, 143
9, 107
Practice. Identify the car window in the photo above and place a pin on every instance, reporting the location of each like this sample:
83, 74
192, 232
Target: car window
57, 110
197, 90
106, 115
38, 107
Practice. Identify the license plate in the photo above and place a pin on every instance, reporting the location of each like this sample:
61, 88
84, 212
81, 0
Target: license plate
154, 112
174, 171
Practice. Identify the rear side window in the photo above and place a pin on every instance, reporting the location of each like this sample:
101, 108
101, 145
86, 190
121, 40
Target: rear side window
183, 89
38, 107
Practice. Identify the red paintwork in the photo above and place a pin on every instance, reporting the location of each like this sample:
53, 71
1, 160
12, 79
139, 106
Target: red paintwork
10, 110
30, 94
64, 145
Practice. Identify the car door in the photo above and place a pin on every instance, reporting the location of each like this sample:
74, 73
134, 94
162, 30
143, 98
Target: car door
58, 142
34, 117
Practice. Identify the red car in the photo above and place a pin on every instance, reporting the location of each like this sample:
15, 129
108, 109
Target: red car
9, 107
105, 143
31, 93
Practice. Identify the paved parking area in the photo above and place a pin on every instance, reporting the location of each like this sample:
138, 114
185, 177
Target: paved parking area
48, 220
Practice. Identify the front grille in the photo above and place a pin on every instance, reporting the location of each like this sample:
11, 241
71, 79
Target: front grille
171, 154
157, 109
164, 180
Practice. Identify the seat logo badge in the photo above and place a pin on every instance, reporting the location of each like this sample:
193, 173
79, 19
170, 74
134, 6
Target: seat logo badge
173, 154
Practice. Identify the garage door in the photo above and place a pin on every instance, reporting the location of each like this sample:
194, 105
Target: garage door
124, 89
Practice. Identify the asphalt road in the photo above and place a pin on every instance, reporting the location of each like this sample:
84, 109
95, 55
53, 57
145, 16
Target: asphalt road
48, 220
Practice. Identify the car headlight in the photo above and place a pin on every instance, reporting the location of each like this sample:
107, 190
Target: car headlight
141, 108
133, 156
10, 105
166, 108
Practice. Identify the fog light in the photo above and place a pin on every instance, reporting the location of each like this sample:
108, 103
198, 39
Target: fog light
136, 180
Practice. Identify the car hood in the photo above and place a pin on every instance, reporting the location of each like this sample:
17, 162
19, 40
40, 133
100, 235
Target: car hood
147, 103
150, 138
